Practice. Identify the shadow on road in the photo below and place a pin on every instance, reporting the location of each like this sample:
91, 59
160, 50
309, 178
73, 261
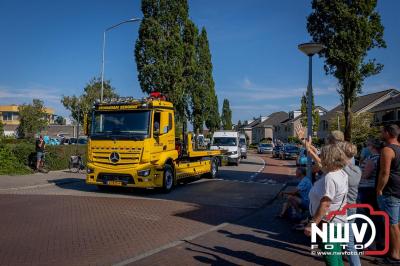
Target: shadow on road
242, 255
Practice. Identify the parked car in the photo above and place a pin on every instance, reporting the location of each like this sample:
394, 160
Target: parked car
72, 141
289, 152
302, 158
227, 140
265, 148
64, 141
243, 146
82, 141
275, 152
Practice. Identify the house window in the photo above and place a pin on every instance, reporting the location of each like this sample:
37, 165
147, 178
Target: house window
7, 116
325, 125
388, 116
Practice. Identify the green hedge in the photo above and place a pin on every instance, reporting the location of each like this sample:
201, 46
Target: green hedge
20, 158
9, 163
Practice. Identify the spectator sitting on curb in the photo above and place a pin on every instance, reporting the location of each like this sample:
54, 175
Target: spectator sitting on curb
298, 199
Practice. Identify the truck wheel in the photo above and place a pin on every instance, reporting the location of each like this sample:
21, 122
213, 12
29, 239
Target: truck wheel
168, 182
213, 169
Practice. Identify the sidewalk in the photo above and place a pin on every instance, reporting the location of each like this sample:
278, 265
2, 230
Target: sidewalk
258, 239
39, 179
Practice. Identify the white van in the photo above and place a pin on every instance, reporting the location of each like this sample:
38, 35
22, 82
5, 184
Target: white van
227, 140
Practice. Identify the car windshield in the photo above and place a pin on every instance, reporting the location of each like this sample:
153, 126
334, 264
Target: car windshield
223, 141
266, 145
120, 125
242, 141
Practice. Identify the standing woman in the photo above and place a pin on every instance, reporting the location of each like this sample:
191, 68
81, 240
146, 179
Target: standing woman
328, 194
354, 174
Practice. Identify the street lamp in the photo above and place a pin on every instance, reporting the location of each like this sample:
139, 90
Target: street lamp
104, 46
310, 49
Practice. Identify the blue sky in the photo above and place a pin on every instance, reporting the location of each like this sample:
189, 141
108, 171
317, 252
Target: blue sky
53, 48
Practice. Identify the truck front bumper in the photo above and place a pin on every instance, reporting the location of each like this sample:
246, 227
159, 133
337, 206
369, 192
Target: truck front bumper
141, 176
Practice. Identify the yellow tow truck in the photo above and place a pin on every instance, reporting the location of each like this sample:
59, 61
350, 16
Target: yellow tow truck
132, 143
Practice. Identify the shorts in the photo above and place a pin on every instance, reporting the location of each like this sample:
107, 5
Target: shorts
39, 155
390, 205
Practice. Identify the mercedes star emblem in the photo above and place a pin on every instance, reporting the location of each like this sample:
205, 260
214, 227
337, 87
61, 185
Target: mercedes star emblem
114, 157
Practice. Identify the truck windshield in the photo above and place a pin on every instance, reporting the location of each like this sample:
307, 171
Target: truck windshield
120, 125
223, 141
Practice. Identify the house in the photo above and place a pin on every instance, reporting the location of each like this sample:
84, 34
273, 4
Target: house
286, 129
362, 104
265, 129
9, 114
247, 127
387, 112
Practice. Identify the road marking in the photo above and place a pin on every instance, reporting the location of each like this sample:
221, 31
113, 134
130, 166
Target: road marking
259, 170
169, 245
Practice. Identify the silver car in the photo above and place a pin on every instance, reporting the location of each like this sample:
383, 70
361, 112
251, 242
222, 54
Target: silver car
265, 148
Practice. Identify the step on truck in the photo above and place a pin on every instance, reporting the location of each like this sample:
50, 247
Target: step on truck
133, 143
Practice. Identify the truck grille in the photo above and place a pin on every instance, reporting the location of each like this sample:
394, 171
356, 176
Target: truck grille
124, 178
126, 155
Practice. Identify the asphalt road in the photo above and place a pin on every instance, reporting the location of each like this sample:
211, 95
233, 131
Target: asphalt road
76, 224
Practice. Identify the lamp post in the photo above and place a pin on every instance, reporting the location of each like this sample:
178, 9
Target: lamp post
310, 49
104, 46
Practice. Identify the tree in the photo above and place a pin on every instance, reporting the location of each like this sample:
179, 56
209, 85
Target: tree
361, 124
192, 75
304, 116
159, 51
33, 119
204, 78
80, 105
226, 117
60, 120
1, 129
348, 30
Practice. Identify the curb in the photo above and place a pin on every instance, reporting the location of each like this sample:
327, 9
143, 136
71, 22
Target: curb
55, 183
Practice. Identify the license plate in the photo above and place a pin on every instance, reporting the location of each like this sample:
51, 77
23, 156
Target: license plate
114, 183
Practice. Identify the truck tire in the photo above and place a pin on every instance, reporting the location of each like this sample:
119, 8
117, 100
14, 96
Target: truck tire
237, 162
168, 179
213, 169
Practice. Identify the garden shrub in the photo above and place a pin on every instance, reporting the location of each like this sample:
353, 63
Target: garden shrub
20, 158
9, 164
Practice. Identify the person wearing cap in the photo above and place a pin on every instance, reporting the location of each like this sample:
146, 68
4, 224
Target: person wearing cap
40, 146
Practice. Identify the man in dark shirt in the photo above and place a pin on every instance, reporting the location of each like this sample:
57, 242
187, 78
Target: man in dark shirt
40, 146
388, 188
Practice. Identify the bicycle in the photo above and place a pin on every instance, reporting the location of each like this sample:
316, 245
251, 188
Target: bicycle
75, 164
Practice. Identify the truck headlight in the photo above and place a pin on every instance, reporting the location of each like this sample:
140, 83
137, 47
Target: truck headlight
144, 172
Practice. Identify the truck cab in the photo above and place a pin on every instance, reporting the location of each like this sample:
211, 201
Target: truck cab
132, 143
